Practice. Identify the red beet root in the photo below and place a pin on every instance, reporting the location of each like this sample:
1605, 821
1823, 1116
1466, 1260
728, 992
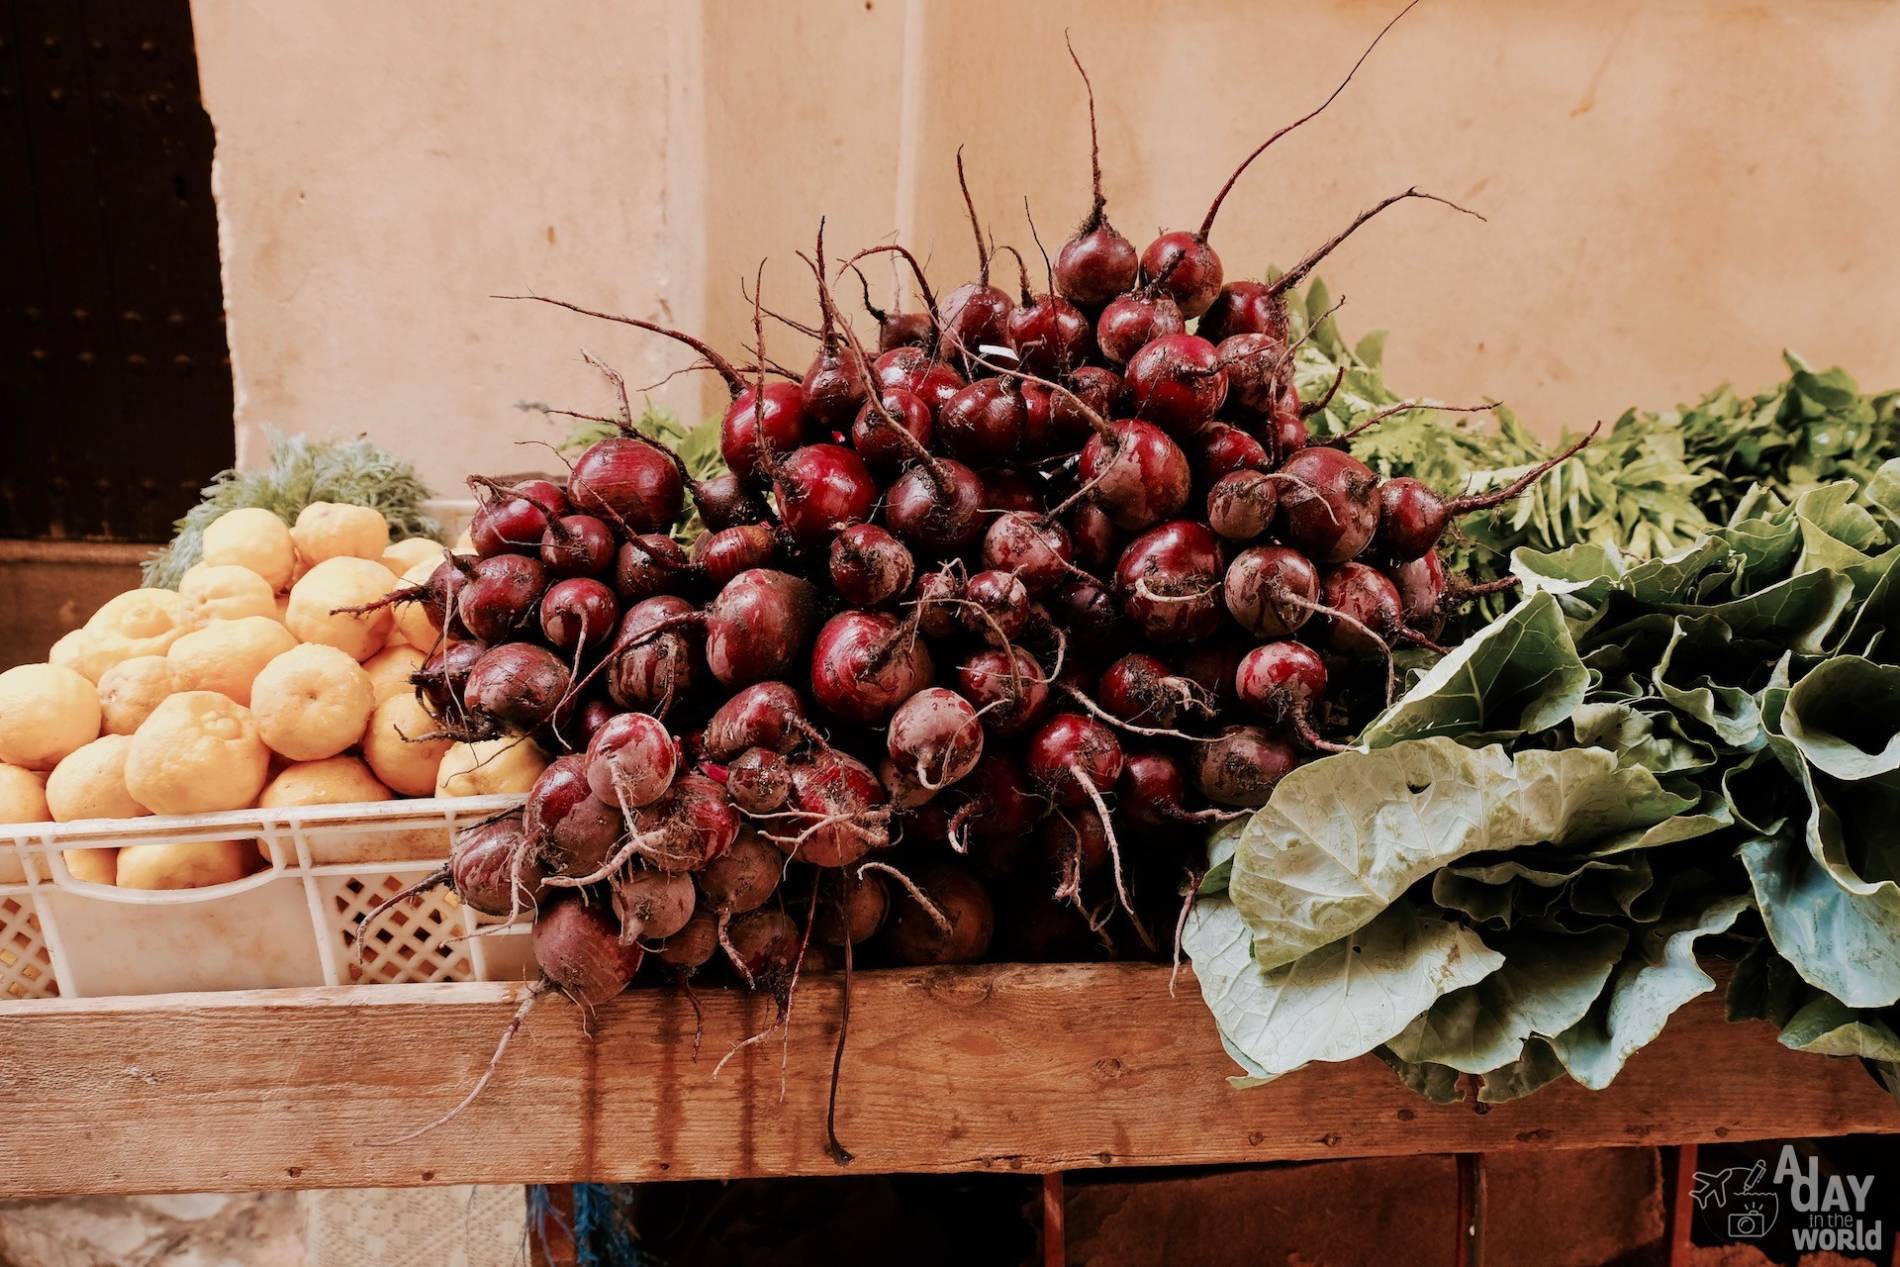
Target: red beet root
578, 946
868, 566
1329, 504
1169, 581
1243, 766
1271, 590
631, 761
864, 664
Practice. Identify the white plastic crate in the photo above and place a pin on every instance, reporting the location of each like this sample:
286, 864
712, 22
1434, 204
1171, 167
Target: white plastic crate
293, 924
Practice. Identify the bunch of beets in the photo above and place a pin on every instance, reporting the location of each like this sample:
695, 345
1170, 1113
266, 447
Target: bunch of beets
987, 622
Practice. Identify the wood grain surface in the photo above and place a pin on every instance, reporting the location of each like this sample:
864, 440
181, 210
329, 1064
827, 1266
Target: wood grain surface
1006, 1067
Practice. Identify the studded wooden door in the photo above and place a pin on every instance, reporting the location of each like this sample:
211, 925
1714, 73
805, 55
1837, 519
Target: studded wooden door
115, 379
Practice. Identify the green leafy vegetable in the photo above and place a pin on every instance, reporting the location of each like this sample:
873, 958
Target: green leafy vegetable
297, 472
1342, 1001
1652, 483
1644, 760
1345, 837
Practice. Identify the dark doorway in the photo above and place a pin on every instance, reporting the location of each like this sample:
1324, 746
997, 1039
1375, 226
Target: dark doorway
115, 378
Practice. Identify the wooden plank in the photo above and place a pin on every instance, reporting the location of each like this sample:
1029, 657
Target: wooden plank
1007, 1067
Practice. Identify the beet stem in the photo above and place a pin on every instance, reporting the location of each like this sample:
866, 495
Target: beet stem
1298, 272
718, 362
1180, 924
1109, 719
1406, 406
1312, 407
916, 271
1304, 732
969, 204
925, 458
937, 917
790, 323
1417, 639
878, 314
839, 1153
1096, 212
529, 999
1485, 501
1048, 269
1461, 591
1114, 850
1207, 225
369, 921
619, 385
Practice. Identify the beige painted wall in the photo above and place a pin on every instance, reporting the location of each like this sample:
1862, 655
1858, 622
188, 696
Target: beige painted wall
1676, 188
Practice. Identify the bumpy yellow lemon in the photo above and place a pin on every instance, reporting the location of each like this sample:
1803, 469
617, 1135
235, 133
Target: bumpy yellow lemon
317, 601
90, 783
224, 592
405, 554
193, 866
389, 670
138, 623
331, 530
22, 800
93, 866
346, 780
131, 689
412, 618
489, 766
331, 781
252, 538
46, 711
312, 702
395, 747
22, 796
199, 751
227, 655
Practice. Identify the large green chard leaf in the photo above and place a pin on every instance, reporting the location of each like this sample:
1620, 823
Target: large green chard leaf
1730, 712
1549, 979
1536, 1068
1840, 941
1437, 1083
1825, 1027
1584, 573
1652, 740
1842, 717
1798, 613
1518, 674
1764, 987
1503, 893
1341, 1001
1658, 974
1835, 532
1343, 837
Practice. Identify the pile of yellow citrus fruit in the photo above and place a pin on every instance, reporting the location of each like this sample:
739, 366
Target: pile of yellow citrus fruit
246, 686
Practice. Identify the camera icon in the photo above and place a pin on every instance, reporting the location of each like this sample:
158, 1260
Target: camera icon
1747, 1225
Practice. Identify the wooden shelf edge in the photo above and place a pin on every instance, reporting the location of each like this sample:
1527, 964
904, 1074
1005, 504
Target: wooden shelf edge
1008, 1067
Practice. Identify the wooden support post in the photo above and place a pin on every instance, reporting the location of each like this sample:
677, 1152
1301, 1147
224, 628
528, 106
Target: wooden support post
1469, 1249
1055, 1248
1681, 1226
